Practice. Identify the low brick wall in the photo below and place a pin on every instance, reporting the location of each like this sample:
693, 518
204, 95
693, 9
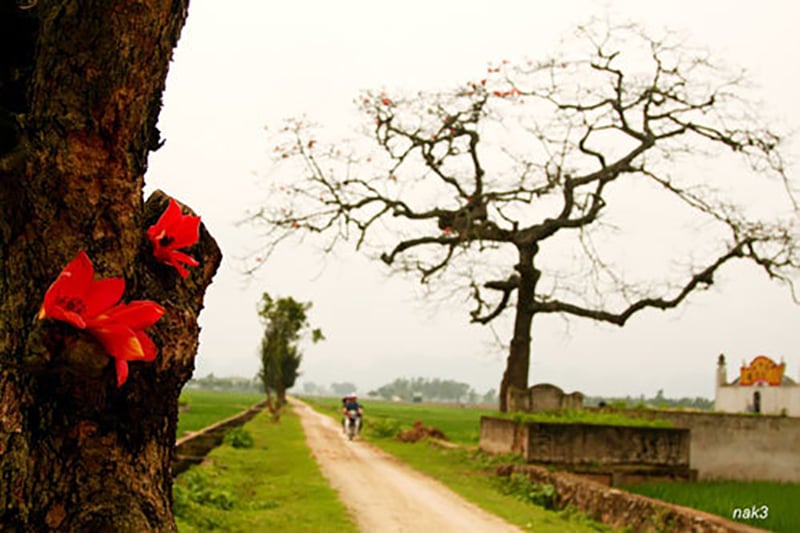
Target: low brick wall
621, 509
193, 448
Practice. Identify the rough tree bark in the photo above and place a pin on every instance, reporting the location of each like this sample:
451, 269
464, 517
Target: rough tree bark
519, 353
83, 95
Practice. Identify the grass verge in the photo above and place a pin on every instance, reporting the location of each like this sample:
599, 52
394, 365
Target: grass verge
464, 469
207, 407
775, 504
274, 485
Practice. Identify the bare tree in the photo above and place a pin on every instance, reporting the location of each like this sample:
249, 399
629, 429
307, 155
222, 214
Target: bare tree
83, 448
526, 186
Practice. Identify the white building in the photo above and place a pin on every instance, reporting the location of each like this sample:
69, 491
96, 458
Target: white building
761, 387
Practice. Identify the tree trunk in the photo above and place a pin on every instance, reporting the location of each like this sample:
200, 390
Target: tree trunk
518, 362
77, 453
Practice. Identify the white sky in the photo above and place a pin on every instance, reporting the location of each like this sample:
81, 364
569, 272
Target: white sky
244, 64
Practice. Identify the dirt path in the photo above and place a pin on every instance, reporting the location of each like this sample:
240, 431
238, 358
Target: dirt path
384, 494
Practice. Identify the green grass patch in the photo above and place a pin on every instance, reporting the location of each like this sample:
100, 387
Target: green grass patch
207, 407
466, 470
779, 500
579, 416
275, 485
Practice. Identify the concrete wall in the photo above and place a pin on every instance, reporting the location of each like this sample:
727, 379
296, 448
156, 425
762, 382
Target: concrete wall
607, 452
738, 446
721, 445
499, 435
587, 444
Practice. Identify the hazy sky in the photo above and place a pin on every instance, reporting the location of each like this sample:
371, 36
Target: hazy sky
242, 65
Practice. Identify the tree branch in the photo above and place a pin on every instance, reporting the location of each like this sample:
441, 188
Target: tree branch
704, 278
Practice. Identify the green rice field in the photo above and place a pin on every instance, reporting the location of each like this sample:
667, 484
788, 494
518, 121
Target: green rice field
775, 504
207, 407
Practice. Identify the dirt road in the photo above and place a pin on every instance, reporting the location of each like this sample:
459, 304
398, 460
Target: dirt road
383, 494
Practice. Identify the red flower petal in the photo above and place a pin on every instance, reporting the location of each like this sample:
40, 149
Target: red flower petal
170, 216
72, 282
119, 340
179, 267
139, 314
187, 232
103, 294
148, 346
121, 366
181, 257
74, 319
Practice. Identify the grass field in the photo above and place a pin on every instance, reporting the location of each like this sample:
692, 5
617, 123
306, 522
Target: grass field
465, 470
579, 416
723, 497
273, 486
207, 407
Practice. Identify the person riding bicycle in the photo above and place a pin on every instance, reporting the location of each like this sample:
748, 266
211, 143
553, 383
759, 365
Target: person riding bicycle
350, 403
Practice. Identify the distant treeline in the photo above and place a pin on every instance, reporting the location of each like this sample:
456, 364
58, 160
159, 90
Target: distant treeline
657, 401
435, 390
228, 384
411, 389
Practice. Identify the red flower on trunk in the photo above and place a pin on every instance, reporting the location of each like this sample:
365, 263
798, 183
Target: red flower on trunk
172, 231
121, 332
76, 298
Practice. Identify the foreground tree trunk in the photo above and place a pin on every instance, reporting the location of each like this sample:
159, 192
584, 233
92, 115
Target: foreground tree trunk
77, 453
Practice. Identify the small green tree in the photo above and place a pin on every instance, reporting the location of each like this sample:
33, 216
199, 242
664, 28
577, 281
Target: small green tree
285, 321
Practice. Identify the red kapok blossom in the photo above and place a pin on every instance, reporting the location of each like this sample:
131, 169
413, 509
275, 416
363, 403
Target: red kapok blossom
75, 296
77, 299
172, 231
121, 332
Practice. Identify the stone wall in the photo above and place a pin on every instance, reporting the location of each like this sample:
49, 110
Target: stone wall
737, 446
582, 444
621, 509
612, 455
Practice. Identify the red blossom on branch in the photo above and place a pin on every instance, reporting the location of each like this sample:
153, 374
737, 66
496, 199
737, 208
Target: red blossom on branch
172, 231
76, 298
